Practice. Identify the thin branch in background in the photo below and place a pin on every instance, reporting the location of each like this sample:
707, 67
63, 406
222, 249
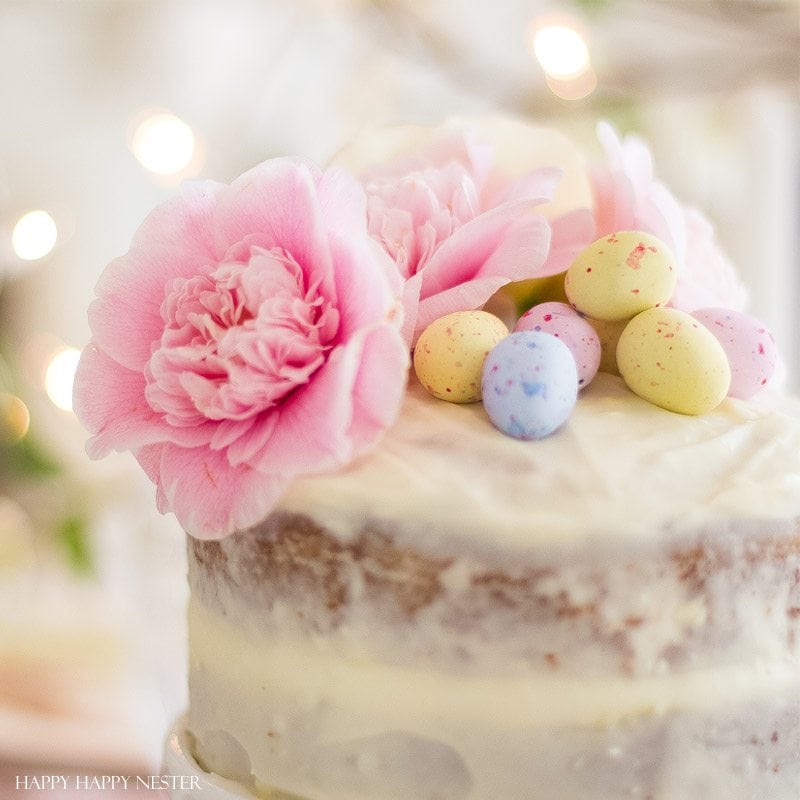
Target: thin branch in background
748, 41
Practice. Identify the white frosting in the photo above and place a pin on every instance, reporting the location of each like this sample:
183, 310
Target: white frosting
323, 675
334, 726
620, 467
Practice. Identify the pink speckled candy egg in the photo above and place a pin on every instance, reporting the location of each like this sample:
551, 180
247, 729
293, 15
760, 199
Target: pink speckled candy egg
749, 346
449, 354
530, 384
565, 323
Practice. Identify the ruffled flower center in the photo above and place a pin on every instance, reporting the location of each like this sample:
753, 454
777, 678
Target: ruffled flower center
412, 216
237, 341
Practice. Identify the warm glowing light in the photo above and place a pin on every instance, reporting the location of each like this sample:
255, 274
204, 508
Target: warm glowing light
574, 89
163, 144
15, 419
59, 377
34, 235
561, 51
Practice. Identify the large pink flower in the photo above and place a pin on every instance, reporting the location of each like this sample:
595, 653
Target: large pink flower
249, 336
458, 230
628, 197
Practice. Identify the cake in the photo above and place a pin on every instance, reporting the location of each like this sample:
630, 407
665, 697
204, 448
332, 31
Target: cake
612, 614
390, 598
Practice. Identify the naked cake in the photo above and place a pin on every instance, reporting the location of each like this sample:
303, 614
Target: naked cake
397, 597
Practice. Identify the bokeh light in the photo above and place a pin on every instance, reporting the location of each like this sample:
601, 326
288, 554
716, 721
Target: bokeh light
561, 50
34, 235
59, 377
15, 419
573, 89
163, 143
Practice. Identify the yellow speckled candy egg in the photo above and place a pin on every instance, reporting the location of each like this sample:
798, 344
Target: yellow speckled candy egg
621, 275
670, 359
449, 355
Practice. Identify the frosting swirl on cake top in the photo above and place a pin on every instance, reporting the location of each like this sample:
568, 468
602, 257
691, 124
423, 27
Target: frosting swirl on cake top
620, 467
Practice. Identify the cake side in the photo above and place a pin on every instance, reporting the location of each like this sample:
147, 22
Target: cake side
647, 611
395, 691
377, 661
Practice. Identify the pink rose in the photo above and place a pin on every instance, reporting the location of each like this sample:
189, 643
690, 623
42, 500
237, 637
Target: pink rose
628, 197
249, 336
459, 228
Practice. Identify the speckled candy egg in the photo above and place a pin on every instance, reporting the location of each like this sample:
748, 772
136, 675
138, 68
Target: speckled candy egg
750, 347
530, 384
667, 357
566, 324
450, 352
621, 275
608, 331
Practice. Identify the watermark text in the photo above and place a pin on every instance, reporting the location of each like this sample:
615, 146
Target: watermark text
105, 783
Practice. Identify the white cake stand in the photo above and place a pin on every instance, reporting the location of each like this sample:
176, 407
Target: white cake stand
187, 780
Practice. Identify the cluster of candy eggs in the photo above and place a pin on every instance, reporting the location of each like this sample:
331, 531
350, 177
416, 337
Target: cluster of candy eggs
687, 363
528, 380
616, 321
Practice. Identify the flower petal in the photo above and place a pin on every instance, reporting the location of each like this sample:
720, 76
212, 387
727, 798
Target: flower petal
368, 285
660, 214
539, 186
149, 458
277, 200
210, 498
313, 433
109, 401
379, 386
173, 241
465, 296
246, 449
613, 202
343, 202
570, 234
510, 241
411, 303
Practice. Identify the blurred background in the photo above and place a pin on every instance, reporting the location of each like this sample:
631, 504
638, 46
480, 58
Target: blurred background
107, 106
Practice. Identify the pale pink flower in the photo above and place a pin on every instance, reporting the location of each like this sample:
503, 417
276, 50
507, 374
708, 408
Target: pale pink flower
627, 196
249, 336
458, 229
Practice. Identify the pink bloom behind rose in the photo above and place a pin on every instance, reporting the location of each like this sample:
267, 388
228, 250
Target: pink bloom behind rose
457, 232
628, 197
249, 336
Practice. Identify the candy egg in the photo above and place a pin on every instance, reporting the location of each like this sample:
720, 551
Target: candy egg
621, 275
566, 324
608, 331
450, 353
667, 357
530, 384
749, 346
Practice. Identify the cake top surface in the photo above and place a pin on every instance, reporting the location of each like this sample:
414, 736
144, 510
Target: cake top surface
253, 347
619, 467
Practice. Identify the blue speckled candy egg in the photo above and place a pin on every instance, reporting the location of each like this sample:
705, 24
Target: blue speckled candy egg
565, 323
529, 384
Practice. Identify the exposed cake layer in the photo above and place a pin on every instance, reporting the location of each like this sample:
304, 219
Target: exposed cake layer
619, 468
643, 610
